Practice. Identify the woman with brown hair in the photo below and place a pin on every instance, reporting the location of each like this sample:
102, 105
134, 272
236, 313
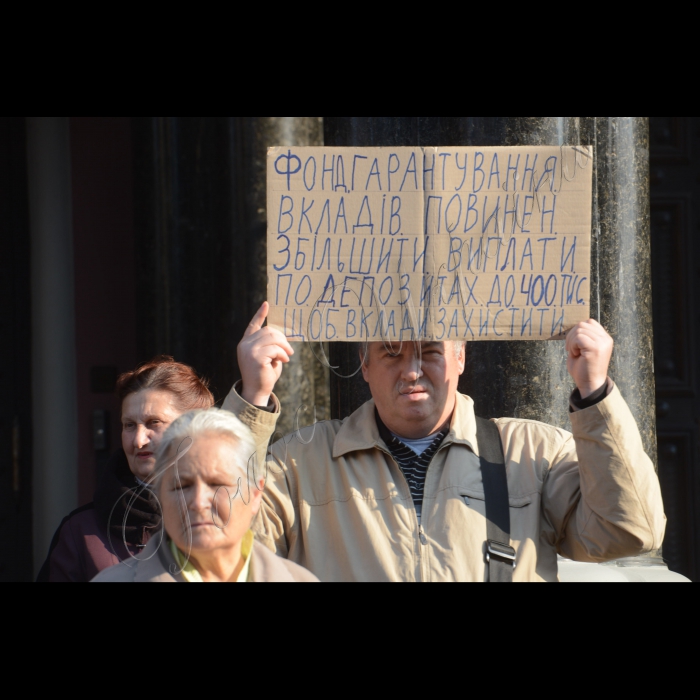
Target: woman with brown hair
118, 524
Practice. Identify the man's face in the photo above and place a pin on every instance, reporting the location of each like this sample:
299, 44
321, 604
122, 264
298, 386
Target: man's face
414, 385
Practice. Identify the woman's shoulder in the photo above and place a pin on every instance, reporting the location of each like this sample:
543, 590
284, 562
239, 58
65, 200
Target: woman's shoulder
152, 566
79, 550
270, 568
65, 536
82, 520
122, 573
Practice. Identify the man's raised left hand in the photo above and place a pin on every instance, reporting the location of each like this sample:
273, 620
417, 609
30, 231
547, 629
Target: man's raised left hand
590, 349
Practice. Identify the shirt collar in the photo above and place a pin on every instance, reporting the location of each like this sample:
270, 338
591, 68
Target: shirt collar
394, 442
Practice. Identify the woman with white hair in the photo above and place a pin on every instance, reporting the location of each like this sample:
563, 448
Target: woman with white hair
209, 491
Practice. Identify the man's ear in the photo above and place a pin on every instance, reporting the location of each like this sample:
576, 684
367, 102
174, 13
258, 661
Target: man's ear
364, 359
462, 359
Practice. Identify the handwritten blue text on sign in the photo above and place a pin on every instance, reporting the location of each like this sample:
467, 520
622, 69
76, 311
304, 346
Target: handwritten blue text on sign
376, 244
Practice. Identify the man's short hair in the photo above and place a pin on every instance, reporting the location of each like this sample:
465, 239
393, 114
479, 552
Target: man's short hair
458, 345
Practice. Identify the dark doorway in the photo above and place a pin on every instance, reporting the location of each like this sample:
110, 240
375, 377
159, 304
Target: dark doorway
105, 287
184, 202
15, 357
675, 186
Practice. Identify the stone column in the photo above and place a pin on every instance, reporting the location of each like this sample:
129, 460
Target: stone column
305, 381
54, 399
529, 379
623, 257
201, 221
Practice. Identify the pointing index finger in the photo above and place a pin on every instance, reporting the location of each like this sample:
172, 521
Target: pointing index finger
258, 320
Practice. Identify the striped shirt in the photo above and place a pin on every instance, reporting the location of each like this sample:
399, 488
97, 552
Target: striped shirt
414, 467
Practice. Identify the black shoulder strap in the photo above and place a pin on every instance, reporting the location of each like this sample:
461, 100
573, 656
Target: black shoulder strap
500, 556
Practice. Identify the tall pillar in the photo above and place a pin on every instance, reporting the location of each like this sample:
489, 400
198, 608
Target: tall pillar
623, 259
529, 379
54, 399
201, 214
305, 381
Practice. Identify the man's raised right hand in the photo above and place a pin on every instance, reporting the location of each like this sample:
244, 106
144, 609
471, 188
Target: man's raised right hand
261, 355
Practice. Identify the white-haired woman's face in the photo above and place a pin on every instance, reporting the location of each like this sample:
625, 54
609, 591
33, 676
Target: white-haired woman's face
195, 497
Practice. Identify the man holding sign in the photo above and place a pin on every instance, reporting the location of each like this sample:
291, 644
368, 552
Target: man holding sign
413, 487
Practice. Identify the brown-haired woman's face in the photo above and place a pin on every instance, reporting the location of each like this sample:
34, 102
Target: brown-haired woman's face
146, 416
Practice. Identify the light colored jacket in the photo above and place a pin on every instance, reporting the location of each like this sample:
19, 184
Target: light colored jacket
156, 563
337, 503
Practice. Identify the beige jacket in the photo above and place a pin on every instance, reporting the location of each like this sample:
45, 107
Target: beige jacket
156, 563
337, 503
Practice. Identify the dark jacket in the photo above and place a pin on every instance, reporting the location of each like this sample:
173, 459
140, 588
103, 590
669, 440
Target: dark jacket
91, 539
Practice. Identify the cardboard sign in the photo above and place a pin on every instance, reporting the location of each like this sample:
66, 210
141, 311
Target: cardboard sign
372, 244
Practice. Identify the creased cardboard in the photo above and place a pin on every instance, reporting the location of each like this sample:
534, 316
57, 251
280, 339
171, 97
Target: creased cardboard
425, 243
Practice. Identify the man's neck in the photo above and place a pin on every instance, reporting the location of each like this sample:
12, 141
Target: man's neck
428, 432
427, 437
215, 568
